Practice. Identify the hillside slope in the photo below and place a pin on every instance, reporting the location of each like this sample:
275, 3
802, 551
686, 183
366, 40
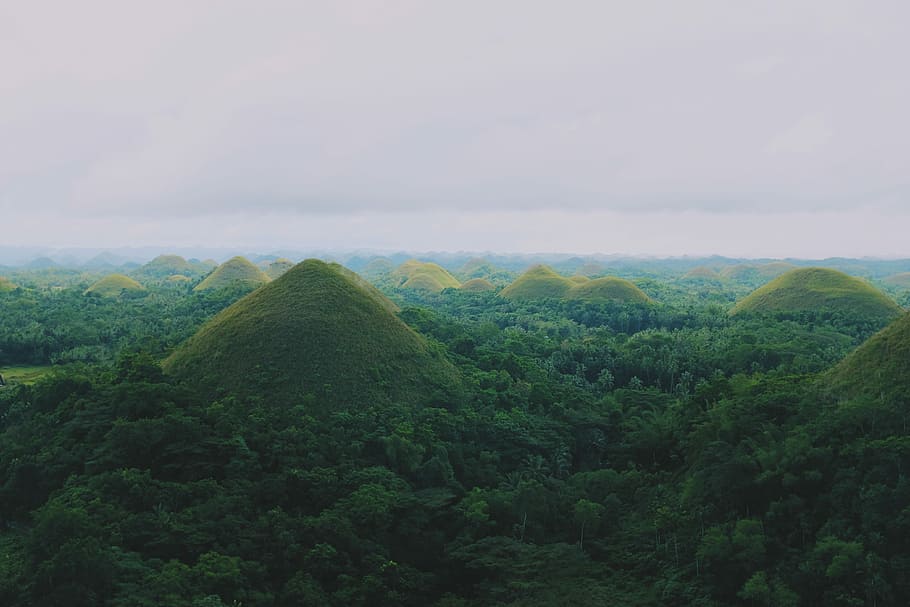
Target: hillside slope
314, 331
819, 289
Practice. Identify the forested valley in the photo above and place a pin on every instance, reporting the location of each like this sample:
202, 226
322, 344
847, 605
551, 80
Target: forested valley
463, 436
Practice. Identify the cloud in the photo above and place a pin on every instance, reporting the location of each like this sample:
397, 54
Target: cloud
194, 109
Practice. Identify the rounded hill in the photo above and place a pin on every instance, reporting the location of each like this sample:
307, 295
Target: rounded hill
114, 285
315, 333
425, 276
477, 285
819, 289
542, 282
539, 282
879, 368
237, 272
608, 289
6, 285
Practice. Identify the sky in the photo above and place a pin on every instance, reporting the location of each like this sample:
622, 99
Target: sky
769, 129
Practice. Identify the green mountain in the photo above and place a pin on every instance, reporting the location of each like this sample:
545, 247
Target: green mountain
539, 282
608, 289
318, 331
879, 368
235, 272
477, 285
819, 289
542, 282
114, 285
425, 276
6, 285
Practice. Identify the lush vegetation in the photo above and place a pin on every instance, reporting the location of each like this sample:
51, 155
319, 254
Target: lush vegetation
315, 443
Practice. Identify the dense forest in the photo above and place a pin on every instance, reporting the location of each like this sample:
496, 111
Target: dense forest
580, 435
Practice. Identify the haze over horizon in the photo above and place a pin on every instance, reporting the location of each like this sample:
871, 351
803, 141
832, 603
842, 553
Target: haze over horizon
744, 130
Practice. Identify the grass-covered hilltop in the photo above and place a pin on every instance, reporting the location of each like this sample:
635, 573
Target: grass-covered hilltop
314, 334
114, 285
542, 282
555, 430
879, 369
816, 289
237, 272
424, 276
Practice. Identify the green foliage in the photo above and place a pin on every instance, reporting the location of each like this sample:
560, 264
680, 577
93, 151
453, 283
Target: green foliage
596, 452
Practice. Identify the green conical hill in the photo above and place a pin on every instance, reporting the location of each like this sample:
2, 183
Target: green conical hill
6, 285
477, 285
278, 267
579, 279
178, 279
427, 276
608, 289
901, 281
314, 331
819, 289
235, 272
539, 282
879, 368
114, 285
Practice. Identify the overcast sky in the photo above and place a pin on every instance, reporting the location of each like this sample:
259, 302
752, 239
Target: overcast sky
740, 128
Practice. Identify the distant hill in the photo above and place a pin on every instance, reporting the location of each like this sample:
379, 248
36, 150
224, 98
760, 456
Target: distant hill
819, 289
235, 272
114, 285
762, 271
477, 285
378, 266
879, 368
317, 330
901, 281
6, 285
164, 266
278, 267
608, 289
425, 276
539, 282
542, 282
702, 273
